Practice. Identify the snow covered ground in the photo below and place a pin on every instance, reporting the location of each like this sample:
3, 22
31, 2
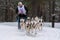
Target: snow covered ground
47, 24
9, 31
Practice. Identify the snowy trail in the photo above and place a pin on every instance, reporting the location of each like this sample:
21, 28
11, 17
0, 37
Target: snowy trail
8, 32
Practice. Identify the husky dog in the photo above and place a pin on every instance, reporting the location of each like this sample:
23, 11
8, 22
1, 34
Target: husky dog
30, 26
27, 25
33, 26
22, 24
38, 23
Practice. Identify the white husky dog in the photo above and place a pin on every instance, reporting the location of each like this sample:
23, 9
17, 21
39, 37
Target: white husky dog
27, 25
38, 23
22, 24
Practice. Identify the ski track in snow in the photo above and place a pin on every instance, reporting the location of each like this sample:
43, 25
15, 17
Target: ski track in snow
8, 32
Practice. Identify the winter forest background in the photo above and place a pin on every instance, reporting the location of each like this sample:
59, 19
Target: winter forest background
44, 8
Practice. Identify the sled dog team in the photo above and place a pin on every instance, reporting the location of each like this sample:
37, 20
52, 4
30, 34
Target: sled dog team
31, 24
